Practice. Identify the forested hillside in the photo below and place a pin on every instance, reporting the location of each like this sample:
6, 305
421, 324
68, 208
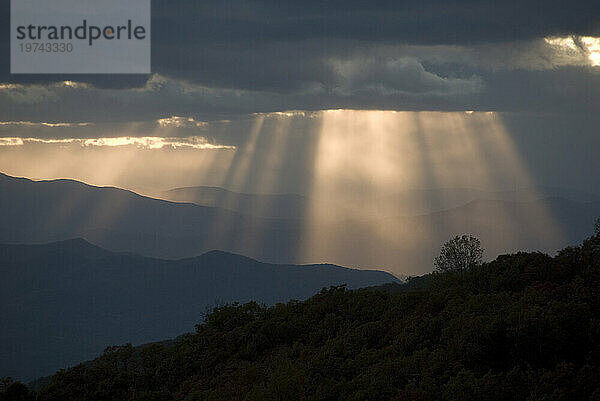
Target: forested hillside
64, 302
523, 327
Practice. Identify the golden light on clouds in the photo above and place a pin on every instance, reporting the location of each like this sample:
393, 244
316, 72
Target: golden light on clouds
17, 141
149, 142
565, 42
146, 142
587, 46
180, 122
4, 86
75, 85
289, 113
593, 47
43, 124
11, 142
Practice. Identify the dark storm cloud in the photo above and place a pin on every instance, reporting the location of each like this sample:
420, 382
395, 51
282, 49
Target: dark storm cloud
420, 22
279, 45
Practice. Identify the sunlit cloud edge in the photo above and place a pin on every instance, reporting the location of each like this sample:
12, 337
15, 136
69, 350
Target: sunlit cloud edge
146, 142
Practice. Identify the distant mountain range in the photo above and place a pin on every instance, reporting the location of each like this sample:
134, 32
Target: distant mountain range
284, 206
64, 302
408, 202
120, 220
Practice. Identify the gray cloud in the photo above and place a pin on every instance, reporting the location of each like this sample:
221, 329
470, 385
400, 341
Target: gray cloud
402, 84
278, 45
396, 76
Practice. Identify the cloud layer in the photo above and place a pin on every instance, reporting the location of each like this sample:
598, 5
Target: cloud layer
236, 57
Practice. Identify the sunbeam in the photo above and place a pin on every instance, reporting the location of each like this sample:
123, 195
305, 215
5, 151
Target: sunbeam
380, 188
372, 167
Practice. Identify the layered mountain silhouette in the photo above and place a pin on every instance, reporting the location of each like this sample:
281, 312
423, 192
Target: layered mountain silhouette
64, 302
120, 220
408, 202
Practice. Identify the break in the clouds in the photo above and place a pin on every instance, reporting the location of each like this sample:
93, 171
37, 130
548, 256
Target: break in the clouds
180, 122
172, 132
144, 142
42, 124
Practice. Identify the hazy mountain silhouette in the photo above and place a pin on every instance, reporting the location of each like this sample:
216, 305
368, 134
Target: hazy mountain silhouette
120, 220
286, 206
545, 225
63, 302
409, 202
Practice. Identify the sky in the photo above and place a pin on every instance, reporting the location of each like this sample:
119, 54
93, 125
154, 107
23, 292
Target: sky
254, 81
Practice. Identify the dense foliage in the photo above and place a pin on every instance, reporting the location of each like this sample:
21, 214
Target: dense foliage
523, 327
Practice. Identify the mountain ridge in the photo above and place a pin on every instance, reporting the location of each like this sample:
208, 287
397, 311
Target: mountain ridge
66, 301
120, 220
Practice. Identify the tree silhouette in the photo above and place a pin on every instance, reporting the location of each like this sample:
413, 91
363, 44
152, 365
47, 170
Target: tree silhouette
597, 226
459, 254
11, 390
